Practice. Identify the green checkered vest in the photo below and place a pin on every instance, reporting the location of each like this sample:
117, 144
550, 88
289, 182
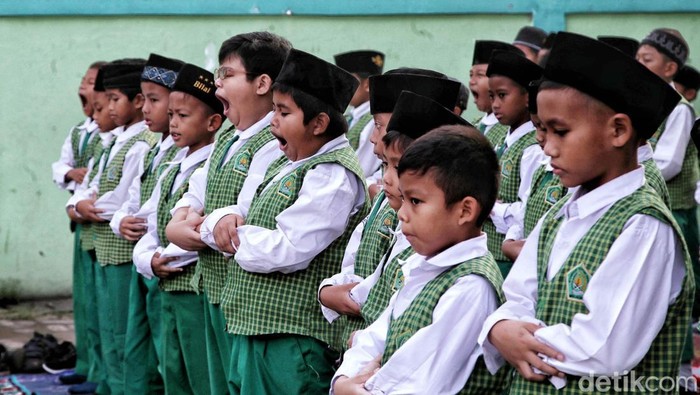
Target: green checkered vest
354, 132
152, 170
380, 294
545, 191
80, 158
181, 281
656, 181
94, 150
223, 186
508, 188
562, 297
277, 303
419, 314
681, 188
497, 134
110, 248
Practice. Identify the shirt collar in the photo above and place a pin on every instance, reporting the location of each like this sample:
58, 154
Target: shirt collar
90, 125
256, 127
335, 144
489, 119
519, 132
644, 152
131, 131
584, 203
189, 161
456, 254
166, 143
360, 110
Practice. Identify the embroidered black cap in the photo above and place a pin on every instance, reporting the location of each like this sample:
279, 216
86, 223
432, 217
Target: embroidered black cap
318, 78
123, 74
669, 44
517, 68
612, 77
384, 90
367, 62
415, 115
484, 48
199, 83
161, 70
627, 45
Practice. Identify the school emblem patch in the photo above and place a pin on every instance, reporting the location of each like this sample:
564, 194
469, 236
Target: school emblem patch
577, 282
384, 229
112, 173
286, 184
553, 194
398, 280
241, 163
507, 168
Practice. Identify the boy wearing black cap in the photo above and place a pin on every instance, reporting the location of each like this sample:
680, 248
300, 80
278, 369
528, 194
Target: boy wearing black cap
606, 258
362, 64
530, 40
195, 116
626, 45
687, 82
518, 152
289, 243
249, 64
121, 162
664, 52
479, 86
425, 340
142, 350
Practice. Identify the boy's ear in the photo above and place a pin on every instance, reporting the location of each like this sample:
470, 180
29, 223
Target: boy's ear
670, 69
623, 131
320, 123
263, 84
364, 85
138, 100
468, 210
214, 122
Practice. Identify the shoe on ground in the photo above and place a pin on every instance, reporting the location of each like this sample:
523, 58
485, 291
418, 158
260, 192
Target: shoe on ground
87, 387
69, 377
60, 358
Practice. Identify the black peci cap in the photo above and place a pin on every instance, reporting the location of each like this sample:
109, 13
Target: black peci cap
161, 70
517, 68
384, 90
415, 115
484, 48
627, 45
199, 83
367, 62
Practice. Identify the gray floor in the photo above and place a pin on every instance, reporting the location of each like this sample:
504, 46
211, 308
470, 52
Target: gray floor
19, 322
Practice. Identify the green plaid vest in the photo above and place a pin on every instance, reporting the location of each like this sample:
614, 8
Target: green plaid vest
181, 281
497, 134
380, 294
223, 186
508, 188
656, 180
151, 170
545, 191
277, 303
94, 150
681, 188
562, 297
110, 248
354, 132
80, 158
420, 314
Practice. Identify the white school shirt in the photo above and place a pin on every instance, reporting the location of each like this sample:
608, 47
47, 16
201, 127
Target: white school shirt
360, 292
439, 358
194, 197
80, 189
639, 278
305, 228
489, 120
111, 201
503, 215
517, 230
669, 152
150, 243
365, 149
66, 162
133, 203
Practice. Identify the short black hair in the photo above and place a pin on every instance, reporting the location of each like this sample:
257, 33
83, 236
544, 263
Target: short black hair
463, 164
97, 64
260, 52
397, 140
312, 106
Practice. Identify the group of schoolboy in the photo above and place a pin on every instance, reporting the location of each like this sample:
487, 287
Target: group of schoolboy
351, 232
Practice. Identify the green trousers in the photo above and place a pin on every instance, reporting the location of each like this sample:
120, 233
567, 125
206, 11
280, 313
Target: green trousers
282, 364
113, 307
218, 343
96, 372
688, 222
504, 266
82, 365
142, 347
185, 365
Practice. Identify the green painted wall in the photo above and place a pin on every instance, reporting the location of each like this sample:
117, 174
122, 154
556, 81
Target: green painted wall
45, 57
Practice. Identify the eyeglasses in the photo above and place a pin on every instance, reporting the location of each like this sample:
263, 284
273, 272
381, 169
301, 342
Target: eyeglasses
224, 72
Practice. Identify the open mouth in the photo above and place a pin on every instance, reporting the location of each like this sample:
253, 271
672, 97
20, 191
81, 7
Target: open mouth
223, 101
280, 139
475, 95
